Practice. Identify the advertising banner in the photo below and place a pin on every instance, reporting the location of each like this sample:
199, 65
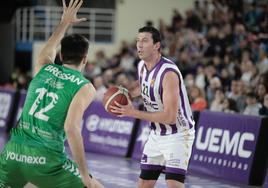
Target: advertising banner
6, 106
142, 136
106, 133
225, 145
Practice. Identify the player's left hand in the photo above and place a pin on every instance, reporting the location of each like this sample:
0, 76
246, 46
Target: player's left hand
123, 110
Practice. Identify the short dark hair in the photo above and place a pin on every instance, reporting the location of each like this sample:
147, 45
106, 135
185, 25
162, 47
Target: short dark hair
155, 33
74, 48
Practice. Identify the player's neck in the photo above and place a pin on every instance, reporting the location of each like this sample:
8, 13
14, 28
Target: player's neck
153, 61
78, 68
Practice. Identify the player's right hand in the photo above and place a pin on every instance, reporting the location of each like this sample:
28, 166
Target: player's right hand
69, 13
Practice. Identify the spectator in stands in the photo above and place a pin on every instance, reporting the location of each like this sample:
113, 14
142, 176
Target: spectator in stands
101, 60
261, 90
229, 106
214, 84
237, 94
108, 78
264, 108
127, 61
123, 79
189, 81
247, 72
252, 105
200, 80
198, 101
264, 19
91, 70
100, 87
263, 61
217, 102
252, 17
225, 78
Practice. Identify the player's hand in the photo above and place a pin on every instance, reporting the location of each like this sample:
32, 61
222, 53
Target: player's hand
69, 13
87, 181
123, 110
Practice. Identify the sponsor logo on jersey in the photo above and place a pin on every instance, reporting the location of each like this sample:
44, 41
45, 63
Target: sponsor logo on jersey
151, 104
152, 83
26, 158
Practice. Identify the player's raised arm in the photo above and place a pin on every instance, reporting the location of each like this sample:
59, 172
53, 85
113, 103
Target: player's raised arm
48, 53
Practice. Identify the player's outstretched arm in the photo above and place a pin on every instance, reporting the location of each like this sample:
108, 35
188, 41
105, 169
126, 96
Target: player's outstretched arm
48, 53
72, 129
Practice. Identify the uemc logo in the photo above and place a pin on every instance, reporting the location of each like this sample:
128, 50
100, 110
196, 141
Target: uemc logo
220, 141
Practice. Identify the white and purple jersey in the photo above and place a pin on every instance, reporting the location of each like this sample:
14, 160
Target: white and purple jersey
152, 90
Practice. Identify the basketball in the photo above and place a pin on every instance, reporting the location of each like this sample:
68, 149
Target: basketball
115, 93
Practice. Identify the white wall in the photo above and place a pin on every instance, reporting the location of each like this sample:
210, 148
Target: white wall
130, 16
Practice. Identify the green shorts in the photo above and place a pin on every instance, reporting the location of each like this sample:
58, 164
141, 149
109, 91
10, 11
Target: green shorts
20, 164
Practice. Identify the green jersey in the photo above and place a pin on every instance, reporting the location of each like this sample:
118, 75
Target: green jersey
49, 96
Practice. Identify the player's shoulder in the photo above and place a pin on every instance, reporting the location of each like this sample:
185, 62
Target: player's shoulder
167, 61
85, 94
88, 88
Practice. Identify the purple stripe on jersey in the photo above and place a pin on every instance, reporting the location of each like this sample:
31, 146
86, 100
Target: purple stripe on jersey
181, 93
161, 80
175, 170
163, 129
151, 167
174, 128
153, 127
159, 65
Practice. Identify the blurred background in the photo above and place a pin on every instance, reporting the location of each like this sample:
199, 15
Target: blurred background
220, 47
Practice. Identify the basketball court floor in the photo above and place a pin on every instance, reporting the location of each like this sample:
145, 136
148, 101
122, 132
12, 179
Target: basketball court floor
118, 172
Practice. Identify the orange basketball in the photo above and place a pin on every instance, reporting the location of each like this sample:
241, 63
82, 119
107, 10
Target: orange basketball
115, 93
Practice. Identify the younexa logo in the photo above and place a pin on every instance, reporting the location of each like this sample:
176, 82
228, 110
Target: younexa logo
220, 141
26, 158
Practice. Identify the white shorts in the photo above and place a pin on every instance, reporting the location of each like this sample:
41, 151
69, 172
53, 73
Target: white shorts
168, 153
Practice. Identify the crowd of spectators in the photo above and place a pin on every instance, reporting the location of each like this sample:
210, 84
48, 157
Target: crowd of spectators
220, 47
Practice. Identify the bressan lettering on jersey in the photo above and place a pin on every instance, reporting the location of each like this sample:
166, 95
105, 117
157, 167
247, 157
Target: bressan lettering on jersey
25, 158
64, 76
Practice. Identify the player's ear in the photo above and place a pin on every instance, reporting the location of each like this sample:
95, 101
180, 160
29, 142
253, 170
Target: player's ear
157, 46
60, 56
84, 60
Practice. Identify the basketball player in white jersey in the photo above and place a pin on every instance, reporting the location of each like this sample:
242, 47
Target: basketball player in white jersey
168, 148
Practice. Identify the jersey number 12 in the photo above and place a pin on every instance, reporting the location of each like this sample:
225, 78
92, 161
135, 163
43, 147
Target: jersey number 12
41, 113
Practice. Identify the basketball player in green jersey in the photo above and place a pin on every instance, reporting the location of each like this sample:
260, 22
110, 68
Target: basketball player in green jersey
56, 100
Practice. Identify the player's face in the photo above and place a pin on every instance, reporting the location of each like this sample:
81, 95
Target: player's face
145, 46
